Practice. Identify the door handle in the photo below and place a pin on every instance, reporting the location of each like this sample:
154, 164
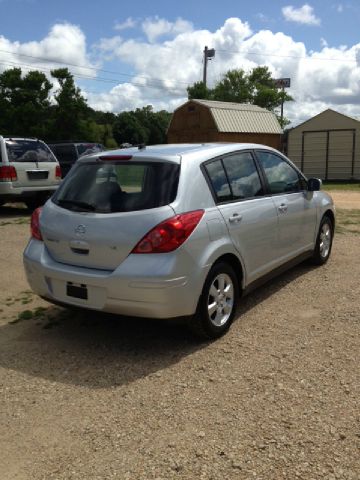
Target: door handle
235, 218
282, 208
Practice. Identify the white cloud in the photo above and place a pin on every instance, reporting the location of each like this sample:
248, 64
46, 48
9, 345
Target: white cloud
323, 42
157, 27
326, 78
304, 15
128, 23
64, 43
340, 8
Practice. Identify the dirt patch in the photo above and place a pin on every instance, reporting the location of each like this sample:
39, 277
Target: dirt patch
342, 199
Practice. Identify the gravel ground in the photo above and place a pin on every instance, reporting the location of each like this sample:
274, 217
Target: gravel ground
88, 396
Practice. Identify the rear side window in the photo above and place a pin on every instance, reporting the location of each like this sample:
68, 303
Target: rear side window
243, 176
234, 177
28, 151
118, 187
219, 181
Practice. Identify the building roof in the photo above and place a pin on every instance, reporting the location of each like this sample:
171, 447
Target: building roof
241, 117
328, 110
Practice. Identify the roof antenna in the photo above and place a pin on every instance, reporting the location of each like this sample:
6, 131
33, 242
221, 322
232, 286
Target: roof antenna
142, 146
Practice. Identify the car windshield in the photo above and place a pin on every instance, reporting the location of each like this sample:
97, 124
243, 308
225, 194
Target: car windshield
118, 187
28, 151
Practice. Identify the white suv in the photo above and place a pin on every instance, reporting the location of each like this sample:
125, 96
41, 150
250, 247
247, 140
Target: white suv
29, 171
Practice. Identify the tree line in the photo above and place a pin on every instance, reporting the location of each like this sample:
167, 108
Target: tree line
29, 107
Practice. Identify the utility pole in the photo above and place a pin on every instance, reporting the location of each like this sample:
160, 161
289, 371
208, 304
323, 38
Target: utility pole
282, 83
208, 54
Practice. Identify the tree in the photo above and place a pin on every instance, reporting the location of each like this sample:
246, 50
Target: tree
24, 103
200, 91
127, 129
154, 123
255, 87
70, 108
141, 126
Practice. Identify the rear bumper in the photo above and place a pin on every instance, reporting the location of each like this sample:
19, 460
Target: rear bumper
139, 294
9, 191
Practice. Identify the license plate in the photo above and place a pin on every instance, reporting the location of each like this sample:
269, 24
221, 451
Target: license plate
37, 174
76, 290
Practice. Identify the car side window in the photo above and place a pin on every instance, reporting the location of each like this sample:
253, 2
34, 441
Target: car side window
281, 177
243, 175
217, 176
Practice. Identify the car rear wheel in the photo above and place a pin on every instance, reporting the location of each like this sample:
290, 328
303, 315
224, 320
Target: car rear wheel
217, 304
324, 241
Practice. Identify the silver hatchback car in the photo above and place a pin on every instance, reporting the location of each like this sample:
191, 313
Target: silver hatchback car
176, 231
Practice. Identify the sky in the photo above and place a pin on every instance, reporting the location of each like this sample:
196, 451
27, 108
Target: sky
126, 55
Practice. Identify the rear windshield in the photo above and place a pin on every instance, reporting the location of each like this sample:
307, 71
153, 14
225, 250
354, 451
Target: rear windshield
118, 187
28, 151
88, 148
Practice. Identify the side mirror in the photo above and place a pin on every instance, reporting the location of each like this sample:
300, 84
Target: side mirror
314, 184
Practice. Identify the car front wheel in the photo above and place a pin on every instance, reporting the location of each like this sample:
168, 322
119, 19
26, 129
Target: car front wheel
324, 241
217, 304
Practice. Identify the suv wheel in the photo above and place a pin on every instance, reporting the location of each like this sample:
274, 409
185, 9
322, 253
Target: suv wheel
35, 202
217, 304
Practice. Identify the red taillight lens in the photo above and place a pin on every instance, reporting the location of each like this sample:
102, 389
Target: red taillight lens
170, 234
58, 172
8, 174
35, 224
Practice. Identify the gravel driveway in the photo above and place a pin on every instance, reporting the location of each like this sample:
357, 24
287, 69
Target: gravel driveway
89, 396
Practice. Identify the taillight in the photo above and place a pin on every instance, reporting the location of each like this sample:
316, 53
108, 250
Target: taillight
8, 173
35, 224
170, 234
58, 172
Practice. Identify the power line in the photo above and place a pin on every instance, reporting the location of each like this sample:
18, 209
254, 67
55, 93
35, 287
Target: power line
43, 59
95, 79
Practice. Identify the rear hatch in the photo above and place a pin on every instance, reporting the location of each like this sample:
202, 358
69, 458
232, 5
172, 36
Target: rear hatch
102, 210
34, 163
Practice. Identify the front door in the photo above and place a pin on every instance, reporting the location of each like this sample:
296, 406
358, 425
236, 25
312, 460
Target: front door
296, 207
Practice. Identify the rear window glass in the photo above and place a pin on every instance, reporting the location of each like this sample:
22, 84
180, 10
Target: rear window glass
88, 148
114, 187
28, 151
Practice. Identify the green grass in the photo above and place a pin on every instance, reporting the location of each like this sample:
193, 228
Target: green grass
338, 186
16, 221
347, 221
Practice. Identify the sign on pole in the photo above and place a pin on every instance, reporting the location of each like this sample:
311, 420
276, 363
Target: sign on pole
282, 82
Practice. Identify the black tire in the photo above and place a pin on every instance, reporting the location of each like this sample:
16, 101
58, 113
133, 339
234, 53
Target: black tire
214, 316
324, 241
35, 202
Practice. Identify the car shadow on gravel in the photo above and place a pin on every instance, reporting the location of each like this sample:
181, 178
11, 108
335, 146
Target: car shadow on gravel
98, 350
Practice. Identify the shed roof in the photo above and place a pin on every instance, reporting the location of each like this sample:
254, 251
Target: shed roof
241, 117
328, 110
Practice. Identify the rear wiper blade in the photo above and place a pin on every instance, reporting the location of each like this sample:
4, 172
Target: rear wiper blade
75, 203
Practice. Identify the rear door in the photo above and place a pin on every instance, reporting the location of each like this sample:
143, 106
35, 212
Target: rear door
250, 216
34, 162
104, 209
296, 207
